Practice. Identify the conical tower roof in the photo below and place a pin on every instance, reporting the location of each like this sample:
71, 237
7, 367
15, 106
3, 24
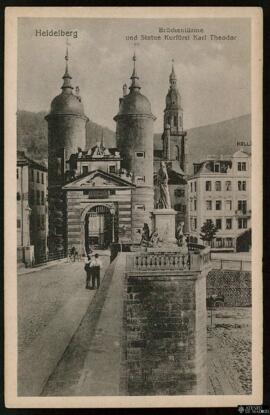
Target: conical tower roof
67, 102
135, 103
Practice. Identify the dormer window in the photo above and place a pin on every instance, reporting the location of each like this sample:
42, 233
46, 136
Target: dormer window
217, 168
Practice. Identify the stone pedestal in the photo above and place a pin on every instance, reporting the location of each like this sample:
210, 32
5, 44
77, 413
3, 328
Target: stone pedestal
164, 224
165, 321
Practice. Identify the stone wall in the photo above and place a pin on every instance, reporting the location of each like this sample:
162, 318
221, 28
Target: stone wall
164, 334
235, 286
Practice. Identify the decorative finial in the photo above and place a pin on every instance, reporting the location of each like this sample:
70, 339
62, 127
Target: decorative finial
134, 77
172, 75
67, 84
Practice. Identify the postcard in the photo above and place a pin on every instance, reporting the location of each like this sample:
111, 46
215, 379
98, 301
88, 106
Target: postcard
133, 236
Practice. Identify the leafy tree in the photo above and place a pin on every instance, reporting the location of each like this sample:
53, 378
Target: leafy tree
208, 231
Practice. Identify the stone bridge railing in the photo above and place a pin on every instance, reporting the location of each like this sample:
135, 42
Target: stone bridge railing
169, 261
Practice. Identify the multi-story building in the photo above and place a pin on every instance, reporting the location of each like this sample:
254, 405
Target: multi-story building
32, 212
219, 191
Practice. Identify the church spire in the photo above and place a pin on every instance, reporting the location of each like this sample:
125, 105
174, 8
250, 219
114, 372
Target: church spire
173, 79
134, 77
67, 83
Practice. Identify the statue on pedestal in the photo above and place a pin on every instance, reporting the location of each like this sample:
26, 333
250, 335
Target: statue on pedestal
164, 198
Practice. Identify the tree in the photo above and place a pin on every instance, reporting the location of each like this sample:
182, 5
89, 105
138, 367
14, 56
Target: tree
208, 231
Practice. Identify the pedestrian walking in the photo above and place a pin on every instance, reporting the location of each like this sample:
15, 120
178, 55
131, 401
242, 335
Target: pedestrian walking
88, 270
95, 267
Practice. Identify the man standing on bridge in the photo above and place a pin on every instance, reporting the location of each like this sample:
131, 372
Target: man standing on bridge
95, 267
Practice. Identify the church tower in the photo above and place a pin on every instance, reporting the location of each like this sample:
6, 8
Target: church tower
174, 136
134, 135
66, 133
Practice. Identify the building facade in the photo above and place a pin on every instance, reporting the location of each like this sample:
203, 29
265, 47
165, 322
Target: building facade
98, 199
102, 195
32, 210
220, 191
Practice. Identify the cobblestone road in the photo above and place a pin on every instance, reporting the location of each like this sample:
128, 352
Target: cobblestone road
229, 351
51, 304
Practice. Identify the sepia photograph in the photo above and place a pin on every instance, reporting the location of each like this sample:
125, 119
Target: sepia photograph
135, 222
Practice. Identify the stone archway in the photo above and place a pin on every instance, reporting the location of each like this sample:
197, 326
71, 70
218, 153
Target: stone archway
101, 237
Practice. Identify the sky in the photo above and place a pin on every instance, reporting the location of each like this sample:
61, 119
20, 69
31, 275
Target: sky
213, 75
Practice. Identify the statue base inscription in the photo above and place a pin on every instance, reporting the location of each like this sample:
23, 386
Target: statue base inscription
164, 224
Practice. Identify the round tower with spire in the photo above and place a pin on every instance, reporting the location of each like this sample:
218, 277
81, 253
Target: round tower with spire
134, 135
66, 133
174, 136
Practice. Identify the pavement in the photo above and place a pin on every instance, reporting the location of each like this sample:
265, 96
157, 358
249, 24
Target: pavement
91, 364
229, 351
51, 305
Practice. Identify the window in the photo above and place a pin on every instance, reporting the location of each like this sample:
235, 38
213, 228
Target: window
218, 223
37, 176
218, 204
195, 204
42, 222
228, 185
242, 205
139, 207
175, 120
218, 186
228, 223
38, 197
180, 121
228, 243
228, 205
84, 169
42, 178
194, 224
218, 243
179, 192
140, 154
18, 223
18, 196
42, 197
17, 173
217, 167
140, 179
208, 221
32, 175
191, 187
209, 205
242, 185
242, 223
177, 153
242, 166
195, 186
208, 186
112, 192
112, 169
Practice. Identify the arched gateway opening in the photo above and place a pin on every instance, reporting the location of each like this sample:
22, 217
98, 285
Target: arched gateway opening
100, 227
